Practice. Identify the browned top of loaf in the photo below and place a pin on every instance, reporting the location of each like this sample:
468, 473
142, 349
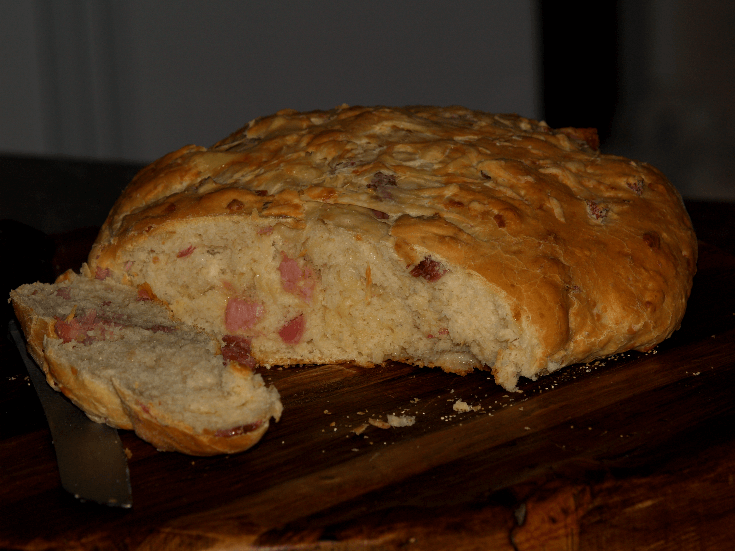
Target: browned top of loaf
595, 252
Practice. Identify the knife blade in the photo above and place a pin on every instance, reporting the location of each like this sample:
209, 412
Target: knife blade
90, 456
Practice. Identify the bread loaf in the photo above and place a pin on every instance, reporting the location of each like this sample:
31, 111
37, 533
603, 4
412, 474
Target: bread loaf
434, 236
117, 353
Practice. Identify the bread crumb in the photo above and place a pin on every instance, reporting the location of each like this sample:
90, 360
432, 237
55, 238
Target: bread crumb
401, 420
378, 423
360, 429
128, 453
461, 406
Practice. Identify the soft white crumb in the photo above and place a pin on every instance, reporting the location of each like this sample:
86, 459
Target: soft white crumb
401, 420
461, 406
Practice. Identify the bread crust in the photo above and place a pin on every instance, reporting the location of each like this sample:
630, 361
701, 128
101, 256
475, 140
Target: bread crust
594, 254
168, 434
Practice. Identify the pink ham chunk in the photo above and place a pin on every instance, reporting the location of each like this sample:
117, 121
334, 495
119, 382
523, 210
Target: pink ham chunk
241, 314
236, 348
237, 431
85, 330
295, 280
429, 269
293, 330
143, 295
185, 252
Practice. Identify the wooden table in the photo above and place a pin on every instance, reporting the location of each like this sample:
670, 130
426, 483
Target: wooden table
635, 452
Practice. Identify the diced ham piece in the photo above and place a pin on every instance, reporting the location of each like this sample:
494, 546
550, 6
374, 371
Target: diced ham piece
235, 205
382, 179
380, 214
380, 182
101, 273
442, 331
295, 280
77, 329
293, 330
185, 252
290, 273
242, 314
596, 210
429, 269
637, 186
143, 294
237, 349
237, 431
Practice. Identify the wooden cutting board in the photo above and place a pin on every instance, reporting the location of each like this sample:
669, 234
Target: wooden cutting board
636, 451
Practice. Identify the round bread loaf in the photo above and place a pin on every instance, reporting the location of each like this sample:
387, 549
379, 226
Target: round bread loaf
434, 236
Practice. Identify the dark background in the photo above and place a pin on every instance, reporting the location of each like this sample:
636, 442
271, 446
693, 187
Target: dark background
98, 88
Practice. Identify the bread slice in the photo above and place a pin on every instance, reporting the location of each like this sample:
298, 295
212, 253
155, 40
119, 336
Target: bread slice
117, 353
437, 236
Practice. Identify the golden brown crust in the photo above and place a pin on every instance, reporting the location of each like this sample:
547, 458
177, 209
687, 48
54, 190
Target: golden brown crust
168, 434
34, 328
594, 253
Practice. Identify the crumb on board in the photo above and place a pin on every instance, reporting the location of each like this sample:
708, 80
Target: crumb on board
401, 420
360, 429
378, 423
395, 421
461, 406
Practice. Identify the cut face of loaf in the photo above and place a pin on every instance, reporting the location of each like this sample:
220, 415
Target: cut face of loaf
325, 293
122, 358
434, 236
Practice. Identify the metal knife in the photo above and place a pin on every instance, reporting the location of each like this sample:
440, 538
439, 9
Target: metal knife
91, 459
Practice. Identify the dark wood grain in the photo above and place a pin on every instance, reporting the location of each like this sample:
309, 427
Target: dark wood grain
636, 451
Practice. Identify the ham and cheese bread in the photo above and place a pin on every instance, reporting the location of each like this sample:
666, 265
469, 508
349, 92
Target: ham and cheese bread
117, 354
435, 236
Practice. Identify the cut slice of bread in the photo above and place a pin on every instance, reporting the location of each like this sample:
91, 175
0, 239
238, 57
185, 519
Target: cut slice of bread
117, 353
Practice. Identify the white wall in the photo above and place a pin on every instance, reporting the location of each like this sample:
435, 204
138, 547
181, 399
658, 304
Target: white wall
677, 101
132, 80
